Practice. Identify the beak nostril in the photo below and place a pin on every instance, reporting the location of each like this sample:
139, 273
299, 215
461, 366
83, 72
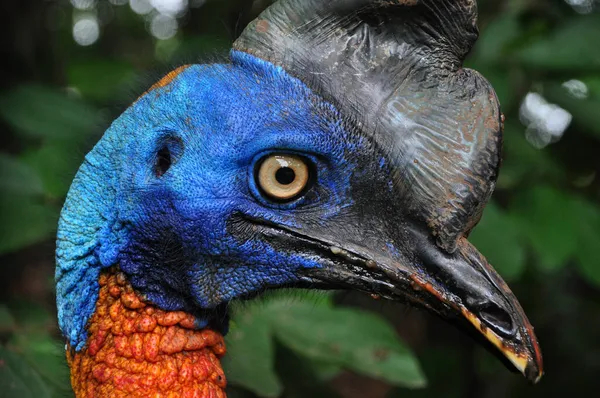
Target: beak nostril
497, 319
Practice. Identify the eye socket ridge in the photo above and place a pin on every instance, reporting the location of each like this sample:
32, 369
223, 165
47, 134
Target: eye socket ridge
284, 177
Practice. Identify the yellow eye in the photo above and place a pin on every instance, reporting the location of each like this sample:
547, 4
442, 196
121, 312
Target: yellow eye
283, 177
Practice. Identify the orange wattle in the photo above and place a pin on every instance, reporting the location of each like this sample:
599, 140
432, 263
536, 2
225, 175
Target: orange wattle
137, 350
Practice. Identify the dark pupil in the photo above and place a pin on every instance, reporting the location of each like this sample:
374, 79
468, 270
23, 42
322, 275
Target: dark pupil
285, 176
163, 161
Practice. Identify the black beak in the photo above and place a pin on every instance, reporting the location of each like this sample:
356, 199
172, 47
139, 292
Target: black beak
396, 66
461, 287
469, 288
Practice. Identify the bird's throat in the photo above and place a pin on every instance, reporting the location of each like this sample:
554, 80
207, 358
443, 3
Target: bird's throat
137, 350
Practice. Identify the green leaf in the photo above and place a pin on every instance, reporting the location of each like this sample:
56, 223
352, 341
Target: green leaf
100, 79
45, 113
31, 316
299, 376
587, 250
203, 44
16, 178
7, 321
250, 353
549, 219
331, 338
326, 370
569, 47
498, 237
18, 379
356, 340
443, 364
522, 162
25, 221
496, 38
56, 164
47, 357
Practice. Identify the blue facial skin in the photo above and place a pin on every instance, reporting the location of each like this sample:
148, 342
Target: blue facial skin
182, 238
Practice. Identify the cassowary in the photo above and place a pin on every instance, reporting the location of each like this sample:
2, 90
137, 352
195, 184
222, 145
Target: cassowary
343, 146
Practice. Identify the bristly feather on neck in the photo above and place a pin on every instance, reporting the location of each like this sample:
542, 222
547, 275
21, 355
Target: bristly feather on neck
137, 350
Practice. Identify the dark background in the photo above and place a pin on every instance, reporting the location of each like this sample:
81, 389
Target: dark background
69, 67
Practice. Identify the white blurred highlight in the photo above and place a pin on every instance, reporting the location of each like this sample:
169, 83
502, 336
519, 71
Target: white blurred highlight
546, 123
86, 30
163, 27
84, 4
576, 88
170, 7
582, 6
141, 7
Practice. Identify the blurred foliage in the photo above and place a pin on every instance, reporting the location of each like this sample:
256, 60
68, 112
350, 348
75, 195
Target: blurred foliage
329, 337
541, 230
32, 364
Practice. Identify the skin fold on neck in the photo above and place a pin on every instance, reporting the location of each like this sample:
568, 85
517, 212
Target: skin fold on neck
137, 350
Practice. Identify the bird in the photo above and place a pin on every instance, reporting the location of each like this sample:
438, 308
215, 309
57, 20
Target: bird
341, 145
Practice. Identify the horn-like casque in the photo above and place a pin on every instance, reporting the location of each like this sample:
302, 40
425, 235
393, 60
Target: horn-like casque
395, 68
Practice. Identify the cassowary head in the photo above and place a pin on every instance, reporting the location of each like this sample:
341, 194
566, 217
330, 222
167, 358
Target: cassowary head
343, 146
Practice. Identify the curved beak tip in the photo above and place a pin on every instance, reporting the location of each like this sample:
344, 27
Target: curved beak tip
534, 374
527, 360
530, 368
534, 370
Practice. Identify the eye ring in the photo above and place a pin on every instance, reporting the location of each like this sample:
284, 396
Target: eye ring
284, 177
